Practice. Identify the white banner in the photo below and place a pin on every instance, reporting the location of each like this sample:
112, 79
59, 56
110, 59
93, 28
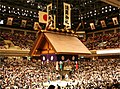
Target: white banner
9, 21
49, 12
37, 26
23, 23
67, 15
51, 18
103, 23
92, 26
115, 21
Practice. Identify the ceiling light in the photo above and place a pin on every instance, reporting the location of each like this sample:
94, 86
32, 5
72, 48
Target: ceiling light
18, 9
4, 6
110, 6
81, 17
31, 12
109, 9
113, 8
103, 8
106, 7
34, 12
94, 13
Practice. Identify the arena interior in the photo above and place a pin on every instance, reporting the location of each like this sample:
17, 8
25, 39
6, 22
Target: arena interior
59, 44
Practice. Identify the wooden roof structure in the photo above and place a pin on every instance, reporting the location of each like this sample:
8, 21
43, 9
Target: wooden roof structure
57, 43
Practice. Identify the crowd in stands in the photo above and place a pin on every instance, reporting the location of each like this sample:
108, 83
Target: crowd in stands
100, 41
106, 41
31, 74
16, 39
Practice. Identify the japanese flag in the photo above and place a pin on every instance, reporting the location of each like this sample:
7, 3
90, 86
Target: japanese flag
42, 17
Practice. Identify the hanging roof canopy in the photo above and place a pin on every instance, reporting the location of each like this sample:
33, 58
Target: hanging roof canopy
56, 43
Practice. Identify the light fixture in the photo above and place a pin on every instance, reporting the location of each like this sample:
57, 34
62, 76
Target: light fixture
94, 13
31, 12
34, 12
90, 12
4, 6
81, 17
8, 7
109, 9
18, 9
110, 6
113, 8
105, 10
106, 7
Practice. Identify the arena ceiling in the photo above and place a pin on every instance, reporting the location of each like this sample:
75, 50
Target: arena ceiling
83, 11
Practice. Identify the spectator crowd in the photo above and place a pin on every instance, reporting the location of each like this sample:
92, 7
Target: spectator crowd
24, 41
106, 41
26, 73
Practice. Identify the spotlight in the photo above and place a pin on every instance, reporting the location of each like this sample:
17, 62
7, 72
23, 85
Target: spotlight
110, 6
81, 17
106, 7
113, 8
103, 8
90, 12
94, 13
18, 9
8, 7
109, 9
